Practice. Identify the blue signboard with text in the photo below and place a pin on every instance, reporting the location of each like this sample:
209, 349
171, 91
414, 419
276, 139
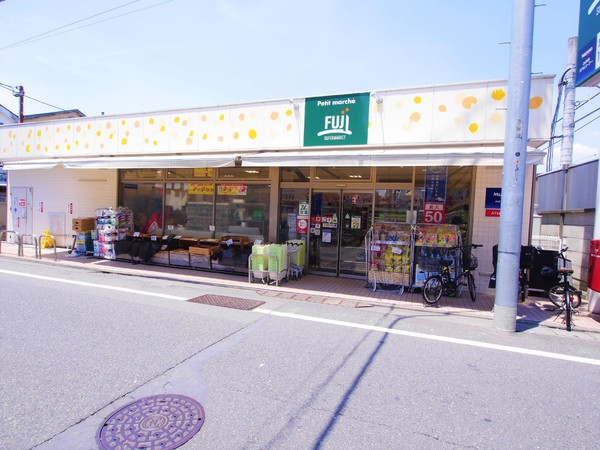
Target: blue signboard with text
588, 44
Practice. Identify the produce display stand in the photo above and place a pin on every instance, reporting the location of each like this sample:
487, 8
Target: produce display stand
389, 249
268, 262
432, 244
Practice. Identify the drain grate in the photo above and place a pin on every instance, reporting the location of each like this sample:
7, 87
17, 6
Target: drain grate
227, 302
162, 422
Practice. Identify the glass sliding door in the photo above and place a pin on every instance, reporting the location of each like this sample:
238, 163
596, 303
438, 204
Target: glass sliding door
339, 223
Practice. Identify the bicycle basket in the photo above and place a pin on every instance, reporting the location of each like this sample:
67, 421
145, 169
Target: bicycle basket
472, 262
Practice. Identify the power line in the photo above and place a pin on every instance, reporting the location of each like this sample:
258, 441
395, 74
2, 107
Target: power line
65, 26
52, 33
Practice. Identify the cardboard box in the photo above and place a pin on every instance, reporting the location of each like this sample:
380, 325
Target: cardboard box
203, 251
84, 223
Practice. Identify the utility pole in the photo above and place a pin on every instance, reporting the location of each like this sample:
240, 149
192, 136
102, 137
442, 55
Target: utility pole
21, 94
515, 165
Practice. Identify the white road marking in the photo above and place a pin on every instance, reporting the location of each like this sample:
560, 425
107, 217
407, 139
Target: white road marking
95, 285
433, 337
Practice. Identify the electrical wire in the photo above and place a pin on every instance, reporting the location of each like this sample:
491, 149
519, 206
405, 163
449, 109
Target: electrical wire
48, 34
44, 103
65, 26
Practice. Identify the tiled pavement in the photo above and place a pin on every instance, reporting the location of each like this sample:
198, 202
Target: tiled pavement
344, 292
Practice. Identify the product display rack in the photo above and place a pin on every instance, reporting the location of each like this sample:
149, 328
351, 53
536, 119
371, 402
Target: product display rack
112, 225
432, 243
389, 250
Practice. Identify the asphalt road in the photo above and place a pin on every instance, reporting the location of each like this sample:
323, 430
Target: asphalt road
76, 345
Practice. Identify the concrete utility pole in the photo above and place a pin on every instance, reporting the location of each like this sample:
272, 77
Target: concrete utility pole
566, 148
515, 164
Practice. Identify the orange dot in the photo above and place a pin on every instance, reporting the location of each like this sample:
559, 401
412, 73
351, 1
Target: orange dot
137, 124
442, 108
108, 125
203, 118
469, 101
189, 141
415, 117
220, 138
498, 94
236, 135
274, 115
289, 127
242, 117
535, 102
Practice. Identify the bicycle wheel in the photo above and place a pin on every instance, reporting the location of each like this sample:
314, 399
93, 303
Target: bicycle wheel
432, 289
471, 284
568, 311
556, 295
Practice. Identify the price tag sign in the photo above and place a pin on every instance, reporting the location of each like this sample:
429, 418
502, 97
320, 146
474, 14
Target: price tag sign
434, 213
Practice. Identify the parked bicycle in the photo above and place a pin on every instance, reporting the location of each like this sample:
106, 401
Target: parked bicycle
442, 282
563, 294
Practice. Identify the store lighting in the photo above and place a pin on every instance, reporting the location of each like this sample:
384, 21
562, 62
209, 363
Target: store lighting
251, 171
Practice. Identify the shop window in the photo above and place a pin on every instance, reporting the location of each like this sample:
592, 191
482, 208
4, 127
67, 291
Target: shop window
343, 173
392, 205
189, 208
445, 190
243, 173
146, 202
141, 174
206, 173
242, 210
293, 214
395, 174
295, 174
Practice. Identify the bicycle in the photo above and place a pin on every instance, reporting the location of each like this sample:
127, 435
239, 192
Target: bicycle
442, 283
563, 295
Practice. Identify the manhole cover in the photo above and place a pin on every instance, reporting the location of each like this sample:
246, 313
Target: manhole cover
227, 302
159, 422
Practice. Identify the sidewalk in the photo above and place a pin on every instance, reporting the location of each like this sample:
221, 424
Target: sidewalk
535, 311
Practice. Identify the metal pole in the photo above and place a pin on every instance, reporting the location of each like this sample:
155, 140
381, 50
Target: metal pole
515, 164
21, 95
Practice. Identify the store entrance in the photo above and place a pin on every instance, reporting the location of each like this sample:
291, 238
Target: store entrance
340, 221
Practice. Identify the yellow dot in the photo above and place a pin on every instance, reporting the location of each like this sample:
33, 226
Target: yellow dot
68, 127
288, 112
176, 119
418, 99
163, 129
56, 147
151, 121
473, 128
123, 122
89, 126
111, 135
252, 134
498, 94
204, 136
76, 143
535, 102
192, 133
98, 133
46, 148
155, 142
442, 108
68, 146
28, 148
124, 141
222, 117
236, 135
274, 115
39, 133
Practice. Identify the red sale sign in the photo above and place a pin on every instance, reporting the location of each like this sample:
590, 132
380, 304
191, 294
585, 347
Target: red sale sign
434, 212
302, 225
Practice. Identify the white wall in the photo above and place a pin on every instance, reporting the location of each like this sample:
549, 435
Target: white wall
486, 230
57, 189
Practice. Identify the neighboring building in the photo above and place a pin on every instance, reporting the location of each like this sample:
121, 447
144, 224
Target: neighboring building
566, 204
319, 169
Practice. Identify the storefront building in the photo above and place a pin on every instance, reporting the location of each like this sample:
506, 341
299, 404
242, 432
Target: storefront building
320, 169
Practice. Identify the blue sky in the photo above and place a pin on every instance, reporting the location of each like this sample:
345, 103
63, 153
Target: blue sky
190, 53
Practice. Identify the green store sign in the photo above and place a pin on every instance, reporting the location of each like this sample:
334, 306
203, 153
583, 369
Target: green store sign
336, 120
